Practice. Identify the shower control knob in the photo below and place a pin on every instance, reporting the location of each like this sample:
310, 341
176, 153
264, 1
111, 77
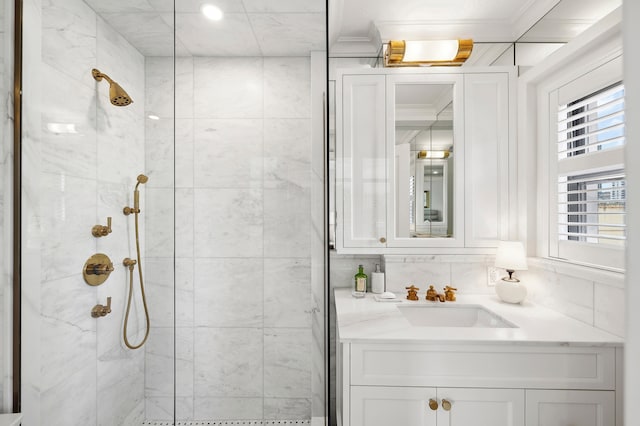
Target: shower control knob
97, 268
102, 230
101, 310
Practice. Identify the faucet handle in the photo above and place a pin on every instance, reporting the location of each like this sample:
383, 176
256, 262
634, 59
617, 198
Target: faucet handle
450, 293
101, 310
102, 230
412, 292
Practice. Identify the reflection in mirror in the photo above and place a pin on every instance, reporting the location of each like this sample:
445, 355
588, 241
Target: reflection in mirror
424, 160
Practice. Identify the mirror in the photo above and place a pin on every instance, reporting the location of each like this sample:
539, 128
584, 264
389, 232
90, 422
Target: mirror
424, 160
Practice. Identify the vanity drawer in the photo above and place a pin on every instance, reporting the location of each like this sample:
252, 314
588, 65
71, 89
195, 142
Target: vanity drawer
497, 366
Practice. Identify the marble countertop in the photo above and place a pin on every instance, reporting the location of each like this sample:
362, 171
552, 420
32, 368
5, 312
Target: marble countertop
366, 320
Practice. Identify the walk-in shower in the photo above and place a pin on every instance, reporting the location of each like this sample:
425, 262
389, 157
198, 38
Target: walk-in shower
225, 233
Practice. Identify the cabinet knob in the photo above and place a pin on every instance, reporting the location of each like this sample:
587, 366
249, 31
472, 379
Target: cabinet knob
446, 405
383, 240
433, 404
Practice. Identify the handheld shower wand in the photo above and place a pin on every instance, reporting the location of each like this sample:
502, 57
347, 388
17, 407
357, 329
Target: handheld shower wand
131, 264
136, 197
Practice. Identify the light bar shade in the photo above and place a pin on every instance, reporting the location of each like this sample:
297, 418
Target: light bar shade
410, 53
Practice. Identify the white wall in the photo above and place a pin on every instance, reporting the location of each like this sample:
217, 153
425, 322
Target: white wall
243, 238
631, 33
75, 369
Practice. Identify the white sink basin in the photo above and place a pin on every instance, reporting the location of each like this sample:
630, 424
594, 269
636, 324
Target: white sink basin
452, 315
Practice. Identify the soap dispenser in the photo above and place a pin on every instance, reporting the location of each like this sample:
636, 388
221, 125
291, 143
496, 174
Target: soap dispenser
377, 280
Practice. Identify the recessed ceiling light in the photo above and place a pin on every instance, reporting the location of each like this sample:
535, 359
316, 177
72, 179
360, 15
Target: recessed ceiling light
211, 12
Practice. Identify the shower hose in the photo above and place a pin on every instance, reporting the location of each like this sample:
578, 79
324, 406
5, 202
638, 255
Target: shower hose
131, 264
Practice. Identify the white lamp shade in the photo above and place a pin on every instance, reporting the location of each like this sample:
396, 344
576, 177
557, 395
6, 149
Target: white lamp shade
511, 255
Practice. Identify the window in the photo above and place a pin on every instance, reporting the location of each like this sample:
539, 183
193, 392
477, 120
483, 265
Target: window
590, 176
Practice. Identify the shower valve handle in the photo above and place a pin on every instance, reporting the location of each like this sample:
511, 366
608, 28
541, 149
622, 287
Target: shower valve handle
101, 310
102, 230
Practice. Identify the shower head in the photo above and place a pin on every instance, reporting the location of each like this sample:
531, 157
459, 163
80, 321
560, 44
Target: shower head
141, 179
117, 95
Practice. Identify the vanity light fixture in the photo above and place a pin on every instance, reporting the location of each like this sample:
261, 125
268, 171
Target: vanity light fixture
211, 11
512, 257
433, 154
426, 53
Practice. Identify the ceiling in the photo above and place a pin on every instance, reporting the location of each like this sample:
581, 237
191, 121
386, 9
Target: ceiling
360, 27
249, 27
357, 28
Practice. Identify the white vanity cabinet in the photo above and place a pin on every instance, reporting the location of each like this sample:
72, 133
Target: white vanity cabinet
567, 408
408, 406
384, 122
480, 385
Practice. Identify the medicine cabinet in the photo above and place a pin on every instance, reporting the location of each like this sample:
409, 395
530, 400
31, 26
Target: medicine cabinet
424, 159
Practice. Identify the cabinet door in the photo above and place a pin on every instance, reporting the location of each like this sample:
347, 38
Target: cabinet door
389, 406
480, 407
361, 162
569, 408
489, 150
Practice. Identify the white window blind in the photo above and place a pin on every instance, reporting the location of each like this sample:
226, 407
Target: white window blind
591, 180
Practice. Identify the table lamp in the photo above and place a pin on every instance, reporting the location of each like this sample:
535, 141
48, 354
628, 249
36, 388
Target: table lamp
512, 257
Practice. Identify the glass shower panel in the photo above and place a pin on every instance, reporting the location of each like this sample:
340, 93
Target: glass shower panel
244, 191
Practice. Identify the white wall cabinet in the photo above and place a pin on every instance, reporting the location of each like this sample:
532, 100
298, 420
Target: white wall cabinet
484, 385
361, 162
370, 202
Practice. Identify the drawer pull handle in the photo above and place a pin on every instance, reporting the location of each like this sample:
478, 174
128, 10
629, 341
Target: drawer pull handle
433, 404
446, 405
383, 240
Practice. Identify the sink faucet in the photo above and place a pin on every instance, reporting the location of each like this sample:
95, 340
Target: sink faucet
433, 295
450, 293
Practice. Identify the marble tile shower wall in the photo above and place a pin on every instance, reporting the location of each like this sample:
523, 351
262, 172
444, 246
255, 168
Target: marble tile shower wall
75, 369
243, 232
